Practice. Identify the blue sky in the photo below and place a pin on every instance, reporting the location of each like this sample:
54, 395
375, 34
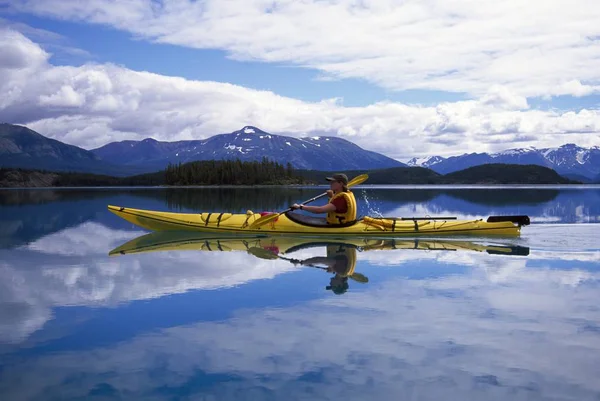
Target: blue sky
399, 78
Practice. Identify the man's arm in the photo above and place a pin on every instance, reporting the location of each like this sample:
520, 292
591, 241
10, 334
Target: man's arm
330, 207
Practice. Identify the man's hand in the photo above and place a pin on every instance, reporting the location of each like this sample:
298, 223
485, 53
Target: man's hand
295, 206
329, 193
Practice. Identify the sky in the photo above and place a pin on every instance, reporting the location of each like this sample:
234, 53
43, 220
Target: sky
403, 78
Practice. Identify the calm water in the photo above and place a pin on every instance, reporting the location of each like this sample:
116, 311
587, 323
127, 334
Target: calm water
92, 307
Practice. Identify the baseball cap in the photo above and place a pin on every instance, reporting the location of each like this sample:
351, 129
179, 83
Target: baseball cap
338, 177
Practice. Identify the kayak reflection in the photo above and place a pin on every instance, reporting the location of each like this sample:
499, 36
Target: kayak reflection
340, 259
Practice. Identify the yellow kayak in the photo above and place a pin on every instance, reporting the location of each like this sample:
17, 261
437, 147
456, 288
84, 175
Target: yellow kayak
294, 223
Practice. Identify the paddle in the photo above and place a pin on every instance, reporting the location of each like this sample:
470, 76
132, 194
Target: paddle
266, 254
270, 217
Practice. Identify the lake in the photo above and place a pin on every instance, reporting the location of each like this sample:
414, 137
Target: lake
92, 307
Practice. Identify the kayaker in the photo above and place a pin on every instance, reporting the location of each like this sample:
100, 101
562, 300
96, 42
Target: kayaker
341, 207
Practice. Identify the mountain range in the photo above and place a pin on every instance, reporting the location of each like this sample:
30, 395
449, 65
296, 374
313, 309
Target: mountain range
21, 147
569, 160
247, 144
24, 148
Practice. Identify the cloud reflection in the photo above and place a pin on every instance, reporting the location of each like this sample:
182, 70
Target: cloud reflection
481, 335
71, 268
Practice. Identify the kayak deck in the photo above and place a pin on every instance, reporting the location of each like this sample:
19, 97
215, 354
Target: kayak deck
298, 224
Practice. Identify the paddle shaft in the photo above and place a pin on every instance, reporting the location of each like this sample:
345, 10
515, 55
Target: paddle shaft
299, 261
289, 209
354, 181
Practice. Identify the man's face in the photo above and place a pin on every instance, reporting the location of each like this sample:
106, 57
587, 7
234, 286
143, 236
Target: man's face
335, 185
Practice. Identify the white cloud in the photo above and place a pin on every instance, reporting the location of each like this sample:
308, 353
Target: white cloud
459, 46
94, 104
18, 52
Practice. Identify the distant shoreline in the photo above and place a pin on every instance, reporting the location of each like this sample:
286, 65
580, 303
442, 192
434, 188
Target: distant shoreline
489, 175
324, 187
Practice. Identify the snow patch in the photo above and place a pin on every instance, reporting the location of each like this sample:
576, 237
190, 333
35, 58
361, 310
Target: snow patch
176, 154
233, 147
246, 139
426, 161
287, 143
582, 156
304, 145
514, 152
249, 131
418, 161
546, 152
316, 137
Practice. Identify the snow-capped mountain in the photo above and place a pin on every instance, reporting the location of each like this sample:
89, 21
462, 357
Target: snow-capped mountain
568, 159
248, 143
427, 161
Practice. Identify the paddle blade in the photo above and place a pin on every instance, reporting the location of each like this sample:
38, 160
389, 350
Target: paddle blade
262, 253
263, 220
359, 179
361, 278
520, 220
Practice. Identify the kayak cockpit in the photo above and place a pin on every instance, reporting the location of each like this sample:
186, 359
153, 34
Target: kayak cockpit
311, 221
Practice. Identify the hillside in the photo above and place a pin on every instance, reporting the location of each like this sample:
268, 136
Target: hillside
247, 144
389, 176
505, 174
484, 174
26, 178
21, 147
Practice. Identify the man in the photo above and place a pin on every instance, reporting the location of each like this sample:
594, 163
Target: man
341, 207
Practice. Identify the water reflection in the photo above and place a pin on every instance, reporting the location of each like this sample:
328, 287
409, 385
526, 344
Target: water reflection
73, 267
30, 214
92, 308
171, 315
338, 256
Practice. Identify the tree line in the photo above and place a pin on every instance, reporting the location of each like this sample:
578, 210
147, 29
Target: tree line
231, 172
